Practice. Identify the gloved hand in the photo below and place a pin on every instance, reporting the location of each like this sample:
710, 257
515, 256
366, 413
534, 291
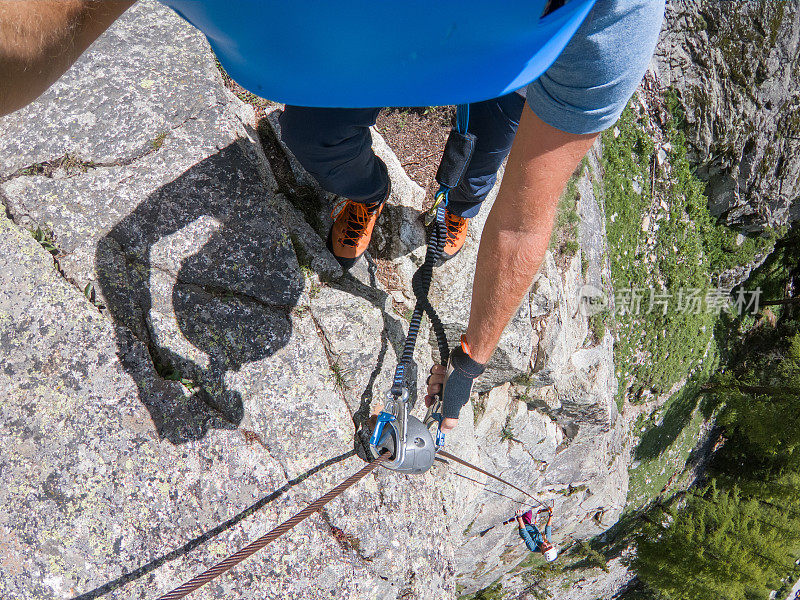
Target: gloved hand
454, 384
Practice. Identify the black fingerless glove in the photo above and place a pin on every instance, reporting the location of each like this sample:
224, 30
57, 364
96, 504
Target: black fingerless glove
461, 373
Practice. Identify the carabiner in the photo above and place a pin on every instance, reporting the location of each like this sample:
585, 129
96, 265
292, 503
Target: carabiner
430, 214
435, 416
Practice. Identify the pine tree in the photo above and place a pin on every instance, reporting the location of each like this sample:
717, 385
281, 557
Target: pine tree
762, 404
738, 537
719, 545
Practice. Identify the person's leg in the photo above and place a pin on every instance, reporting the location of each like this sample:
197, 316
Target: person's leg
495, 123
335, 146
527, 518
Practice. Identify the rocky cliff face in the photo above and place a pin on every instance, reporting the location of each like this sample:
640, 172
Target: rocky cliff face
736, 71
180, 352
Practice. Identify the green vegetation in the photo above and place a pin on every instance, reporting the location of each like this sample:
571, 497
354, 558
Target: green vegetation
564, 238
91, 295
737, 536
493, 592
45, 238
723, 545
591, 557
314, 282
507, 433
158, 141
478, 407
597, 324
666, 440
693, 346
666, 304
341, 376
169, 372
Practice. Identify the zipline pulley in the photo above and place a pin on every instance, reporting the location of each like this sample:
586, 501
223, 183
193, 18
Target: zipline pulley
404, 436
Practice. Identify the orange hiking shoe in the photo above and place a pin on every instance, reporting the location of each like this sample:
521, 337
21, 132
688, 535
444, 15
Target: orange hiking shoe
352, 228
456, 234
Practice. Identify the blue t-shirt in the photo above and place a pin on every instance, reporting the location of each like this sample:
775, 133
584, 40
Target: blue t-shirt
364, 54
533, 537
311, 62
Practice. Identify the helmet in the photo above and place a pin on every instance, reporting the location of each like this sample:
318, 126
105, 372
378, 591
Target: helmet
363, 53
551, 554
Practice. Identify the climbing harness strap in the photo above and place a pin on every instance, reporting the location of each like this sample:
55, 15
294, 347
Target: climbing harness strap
234, 559
408, 439
457, 154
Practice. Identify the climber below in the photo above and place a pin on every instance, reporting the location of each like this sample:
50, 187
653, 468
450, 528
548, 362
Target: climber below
535, 540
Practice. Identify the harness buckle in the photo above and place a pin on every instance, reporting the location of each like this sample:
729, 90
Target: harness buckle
403, 435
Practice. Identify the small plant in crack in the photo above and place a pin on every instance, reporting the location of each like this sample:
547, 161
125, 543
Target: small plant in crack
158, 141
314, 283
479, 407
341, 375
507, 433
45, 238
570, 490
91, 296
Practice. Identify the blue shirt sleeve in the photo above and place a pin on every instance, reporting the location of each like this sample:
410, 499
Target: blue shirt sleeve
548, 532
532, 546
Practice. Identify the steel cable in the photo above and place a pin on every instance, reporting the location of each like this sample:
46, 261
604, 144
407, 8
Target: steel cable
486, 489
446, 454
234, 559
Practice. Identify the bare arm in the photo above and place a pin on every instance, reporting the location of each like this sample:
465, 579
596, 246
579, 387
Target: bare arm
518, 229
40, 39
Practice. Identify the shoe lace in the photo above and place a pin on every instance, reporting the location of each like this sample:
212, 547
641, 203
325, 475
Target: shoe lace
356, 217
455, 227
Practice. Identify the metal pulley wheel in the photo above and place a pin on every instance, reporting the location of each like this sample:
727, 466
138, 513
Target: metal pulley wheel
407, 439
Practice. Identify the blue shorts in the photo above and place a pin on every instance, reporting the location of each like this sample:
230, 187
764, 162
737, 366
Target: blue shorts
588, 86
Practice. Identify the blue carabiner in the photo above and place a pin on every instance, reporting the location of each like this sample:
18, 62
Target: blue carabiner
383, 419
439, 433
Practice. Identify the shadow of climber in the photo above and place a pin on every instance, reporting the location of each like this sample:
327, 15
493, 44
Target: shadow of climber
203, 273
